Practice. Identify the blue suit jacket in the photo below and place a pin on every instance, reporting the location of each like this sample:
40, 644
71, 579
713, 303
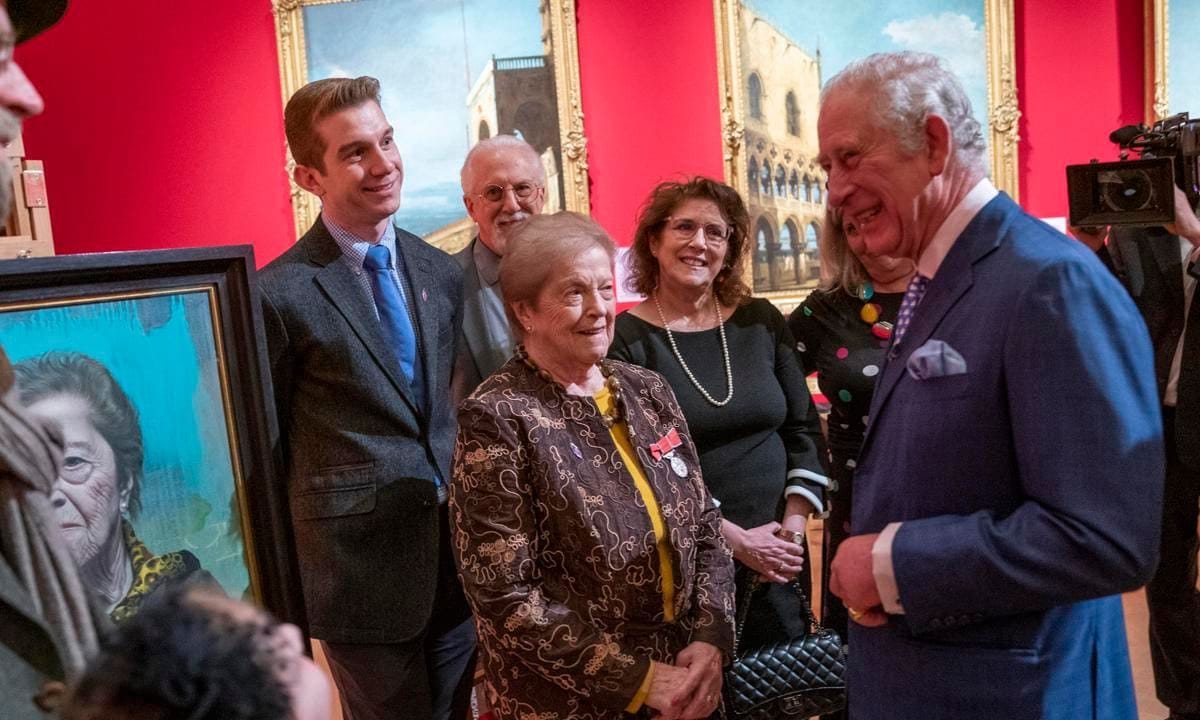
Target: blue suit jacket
1030, 487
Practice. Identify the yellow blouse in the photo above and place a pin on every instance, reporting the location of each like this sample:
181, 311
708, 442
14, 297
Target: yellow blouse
620, 436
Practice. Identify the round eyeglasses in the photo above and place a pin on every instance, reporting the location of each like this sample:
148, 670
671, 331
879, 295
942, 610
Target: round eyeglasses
686, 228
523, 191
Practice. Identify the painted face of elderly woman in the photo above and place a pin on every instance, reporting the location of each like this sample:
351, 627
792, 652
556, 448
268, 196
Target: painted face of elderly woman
88, 495
101, 471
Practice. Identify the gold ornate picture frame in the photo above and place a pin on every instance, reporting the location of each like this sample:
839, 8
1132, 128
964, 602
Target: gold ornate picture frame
1166, 19
770, 155
502, 96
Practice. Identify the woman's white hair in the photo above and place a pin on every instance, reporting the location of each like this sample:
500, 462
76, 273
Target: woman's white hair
906, 88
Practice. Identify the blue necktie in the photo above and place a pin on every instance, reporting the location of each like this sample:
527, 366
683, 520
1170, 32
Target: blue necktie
394, 317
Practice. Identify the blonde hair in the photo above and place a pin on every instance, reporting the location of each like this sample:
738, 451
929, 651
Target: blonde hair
840, 267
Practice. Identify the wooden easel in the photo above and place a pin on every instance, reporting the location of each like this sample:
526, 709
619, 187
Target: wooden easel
27, 231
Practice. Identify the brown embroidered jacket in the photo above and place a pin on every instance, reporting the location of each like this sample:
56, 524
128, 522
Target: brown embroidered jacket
556, 549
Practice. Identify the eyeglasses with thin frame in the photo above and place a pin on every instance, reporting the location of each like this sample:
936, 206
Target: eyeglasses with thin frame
523, 191
685, 229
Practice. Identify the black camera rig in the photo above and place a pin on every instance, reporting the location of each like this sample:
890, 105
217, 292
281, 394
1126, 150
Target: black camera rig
1139, 192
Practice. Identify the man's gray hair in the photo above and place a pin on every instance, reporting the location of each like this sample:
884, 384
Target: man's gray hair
908, 87
492, 144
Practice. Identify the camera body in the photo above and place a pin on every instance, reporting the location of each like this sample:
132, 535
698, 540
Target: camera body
1138, 192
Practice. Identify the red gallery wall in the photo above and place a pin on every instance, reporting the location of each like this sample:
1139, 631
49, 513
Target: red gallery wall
163, 124
1079, 77
650, 100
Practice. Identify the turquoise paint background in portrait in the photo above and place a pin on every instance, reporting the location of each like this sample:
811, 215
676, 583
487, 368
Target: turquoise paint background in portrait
1183, 57
161, 350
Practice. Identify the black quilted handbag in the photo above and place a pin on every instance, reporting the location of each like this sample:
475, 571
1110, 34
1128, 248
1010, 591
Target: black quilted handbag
791, 679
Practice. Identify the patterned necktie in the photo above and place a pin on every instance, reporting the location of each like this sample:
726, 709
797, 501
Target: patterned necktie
394, 317
912, 298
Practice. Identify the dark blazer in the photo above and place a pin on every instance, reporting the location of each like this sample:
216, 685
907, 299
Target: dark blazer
557, 552
1025, 485
29, 657
1148, 263
478, 357
359, 455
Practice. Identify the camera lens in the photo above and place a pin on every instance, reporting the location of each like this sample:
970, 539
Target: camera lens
1125, 190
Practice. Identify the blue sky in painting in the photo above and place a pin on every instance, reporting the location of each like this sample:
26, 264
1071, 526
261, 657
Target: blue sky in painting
427, 54
1183, 82
845, 31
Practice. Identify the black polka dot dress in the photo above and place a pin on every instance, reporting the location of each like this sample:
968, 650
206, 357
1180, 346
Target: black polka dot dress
843, 338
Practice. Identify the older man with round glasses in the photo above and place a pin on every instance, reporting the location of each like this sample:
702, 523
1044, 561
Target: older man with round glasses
503, 184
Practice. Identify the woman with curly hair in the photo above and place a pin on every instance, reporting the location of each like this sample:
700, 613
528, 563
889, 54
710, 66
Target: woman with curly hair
730, 360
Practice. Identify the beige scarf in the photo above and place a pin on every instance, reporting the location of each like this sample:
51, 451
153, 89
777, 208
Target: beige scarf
29, 534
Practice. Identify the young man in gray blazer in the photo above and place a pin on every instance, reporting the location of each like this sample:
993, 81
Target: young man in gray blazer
503, 183
362, 322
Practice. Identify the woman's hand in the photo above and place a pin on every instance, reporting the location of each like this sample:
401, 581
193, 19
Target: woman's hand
795, 519
774, 558
703, 663
690, 689
667, 683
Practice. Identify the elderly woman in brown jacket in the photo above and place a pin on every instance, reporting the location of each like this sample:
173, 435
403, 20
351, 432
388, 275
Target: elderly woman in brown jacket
588, 546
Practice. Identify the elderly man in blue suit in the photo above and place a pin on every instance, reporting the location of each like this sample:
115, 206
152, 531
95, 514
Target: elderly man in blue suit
1011, 478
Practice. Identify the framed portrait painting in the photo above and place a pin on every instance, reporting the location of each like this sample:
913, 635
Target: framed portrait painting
774, 56
1172, 55
149, 363
451, 73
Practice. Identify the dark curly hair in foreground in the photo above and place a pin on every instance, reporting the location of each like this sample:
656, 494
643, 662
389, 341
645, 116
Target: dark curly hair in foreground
179, 660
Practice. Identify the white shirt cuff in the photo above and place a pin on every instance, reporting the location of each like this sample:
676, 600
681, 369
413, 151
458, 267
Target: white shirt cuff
809, 495
884, 571
809, 475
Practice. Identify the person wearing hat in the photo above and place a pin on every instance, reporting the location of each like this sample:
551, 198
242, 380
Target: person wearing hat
47, 626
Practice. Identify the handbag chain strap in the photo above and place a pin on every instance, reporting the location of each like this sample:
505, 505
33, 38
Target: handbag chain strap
743, 611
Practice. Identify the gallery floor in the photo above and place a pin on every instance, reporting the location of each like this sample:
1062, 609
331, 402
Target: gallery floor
1135, 623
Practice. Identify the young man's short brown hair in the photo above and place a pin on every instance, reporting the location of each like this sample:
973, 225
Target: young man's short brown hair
313, 103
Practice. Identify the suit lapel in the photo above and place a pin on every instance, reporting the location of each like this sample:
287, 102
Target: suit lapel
474, 327
13, 594
953, 279
1165, 249
345, 292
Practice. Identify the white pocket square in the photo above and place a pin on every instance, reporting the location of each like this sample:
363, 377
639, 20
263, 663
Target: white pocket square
935, 359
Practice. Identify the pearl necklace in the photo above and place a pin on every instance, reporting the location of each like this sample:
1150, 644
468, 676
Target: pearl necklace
679, 356
610, 381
